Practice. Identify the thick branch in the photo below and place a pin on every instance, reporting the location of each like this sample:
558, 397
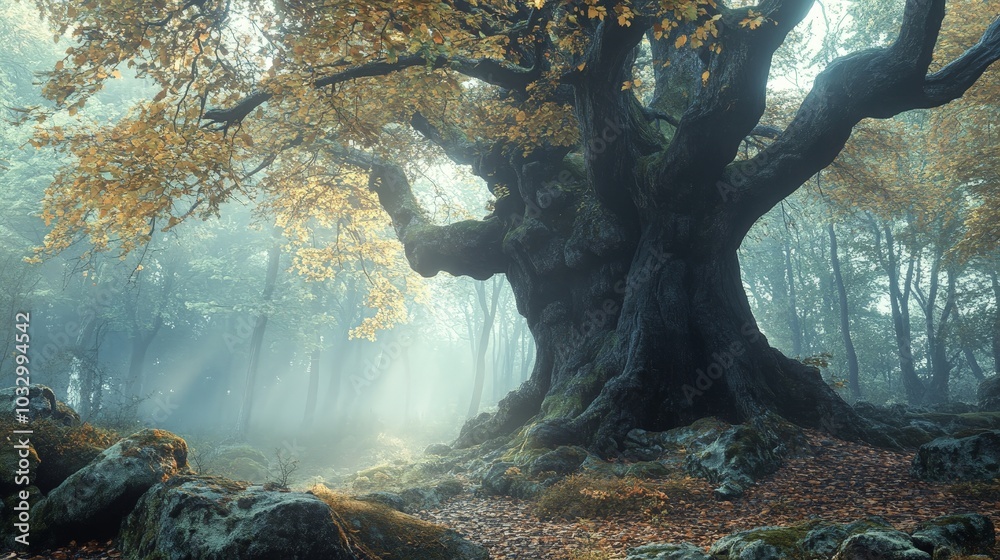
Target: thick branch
732, 100
468, 248
614, 128
488, 70
877, 83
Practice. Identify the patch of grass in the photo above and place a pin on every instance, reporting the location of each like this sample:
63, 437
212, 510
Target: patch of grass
586, 496
382, 532
988, 491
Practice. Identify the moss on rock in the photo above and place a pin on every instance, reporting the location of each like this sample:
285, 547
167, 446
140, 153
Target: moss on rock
383, 532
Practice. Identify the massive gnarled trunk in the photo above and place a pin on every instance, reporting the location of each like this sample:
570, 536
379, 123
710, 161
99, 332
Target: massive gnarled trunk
622, 255
621, 250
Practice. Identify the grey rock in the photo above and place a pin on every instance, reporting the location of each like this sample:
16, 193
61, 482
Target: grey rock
970, 458
212, 518
388, 499
437, 449
880, 544
667, 551
561, 460
763, 543
955, 534
92, 501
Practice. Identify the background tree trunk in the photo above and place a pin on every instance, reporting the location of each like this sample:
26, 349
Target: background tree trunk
853, 381
257, 344
489, 314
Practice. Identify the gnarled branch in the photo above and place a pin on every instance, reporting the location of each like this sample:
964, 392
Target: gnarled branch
876, 83
468, 248
732, 101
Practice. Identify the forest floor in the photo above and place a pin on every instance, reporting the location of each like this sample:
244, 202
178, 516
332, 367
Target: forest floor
843, 482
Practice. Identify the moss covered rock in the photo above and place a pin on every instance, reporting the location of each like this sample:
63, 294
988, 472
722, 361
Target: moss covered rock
213, 518
970, 458
61, 444
666, 551
239, 462
952, 535
91, 502
880, 544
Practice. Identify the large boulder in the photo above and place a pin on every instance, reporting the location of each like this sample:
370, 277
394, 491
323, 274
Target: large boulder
880, 544
666, 551
989, 394
975, 457
238, 462
212, 518
92, 502
953, 535
61, 444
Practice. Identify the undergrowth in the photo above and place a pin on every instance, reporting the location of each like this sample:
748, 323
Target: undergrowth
587, 496
988, 491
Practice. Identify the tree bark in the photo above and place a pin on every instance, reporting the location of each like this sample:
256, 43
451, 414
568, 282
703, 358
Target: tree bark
853, 381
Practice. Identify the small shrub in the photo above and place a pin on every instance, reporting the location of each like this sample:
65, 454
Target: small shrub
282, 468
586, 496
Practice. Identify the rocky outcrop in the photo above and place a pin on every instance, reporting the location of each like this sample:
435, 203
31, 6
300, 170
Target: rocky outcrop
212, 518
913, 426
92, 501
950, 535
867, 539
975, 457
731, 456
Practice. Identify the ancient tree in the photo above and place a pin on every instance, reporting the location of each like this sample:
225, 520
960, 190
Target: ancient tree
619, 209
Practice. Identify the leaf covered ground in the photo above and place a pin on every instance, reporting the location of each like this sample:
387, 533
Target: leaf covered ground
843, 482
